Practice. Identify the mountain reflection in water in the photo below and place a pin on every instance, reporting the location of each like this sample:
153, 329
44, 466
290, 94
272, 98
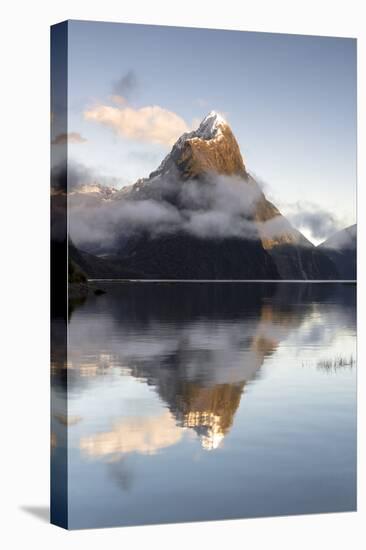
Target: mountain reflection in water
155, 366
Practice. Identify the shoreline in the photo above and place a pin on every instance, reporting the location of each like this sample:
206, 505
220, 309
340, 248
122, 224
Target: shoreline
302, 281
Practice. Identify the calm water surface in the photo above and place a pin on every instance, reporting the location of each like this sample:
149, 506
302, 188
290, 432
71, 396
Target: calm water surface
208, 401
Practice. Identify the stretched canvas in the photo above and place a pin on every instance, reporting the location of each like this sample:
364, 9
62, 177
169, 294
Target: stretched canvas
203, 262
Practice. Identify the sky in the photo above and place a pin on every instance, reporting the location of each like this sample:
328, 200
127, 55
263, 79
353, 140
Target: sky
290, 101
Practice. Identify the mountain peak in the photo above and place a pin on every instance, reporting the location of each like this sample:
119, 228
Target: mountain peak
210, 125
211, 148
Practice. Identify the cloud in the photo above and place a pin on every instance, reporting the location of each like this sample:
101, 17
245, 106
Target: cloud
219, 207
118, 99
126, 85
152, 124
72, 137
144, 435
318, 222
75, 176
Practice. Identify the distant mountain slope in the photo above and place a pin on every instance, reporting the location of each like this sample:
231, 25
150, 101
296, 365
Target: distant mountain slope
341, 249
345, 239
100, 268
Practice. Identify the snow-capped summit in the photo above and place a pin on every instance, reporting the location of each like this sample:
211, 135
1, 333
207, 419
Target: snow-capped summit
212, 147
210, 126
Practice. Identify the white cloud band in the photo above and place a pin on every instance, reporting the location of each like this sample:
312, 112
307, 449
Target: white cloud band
149, 124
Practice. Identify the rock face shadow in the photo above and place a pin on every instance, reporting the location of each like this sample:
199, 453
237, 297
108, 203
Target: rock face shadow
40, 512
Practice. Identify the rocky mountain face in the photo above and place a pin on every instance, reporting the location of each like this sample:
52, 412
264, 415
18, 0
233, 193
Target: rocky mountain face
226, 227
210, 148
184, 256
341, 249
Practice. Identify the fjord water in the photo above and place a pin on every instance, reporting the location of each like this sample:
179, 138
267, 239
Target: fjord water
207, 401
